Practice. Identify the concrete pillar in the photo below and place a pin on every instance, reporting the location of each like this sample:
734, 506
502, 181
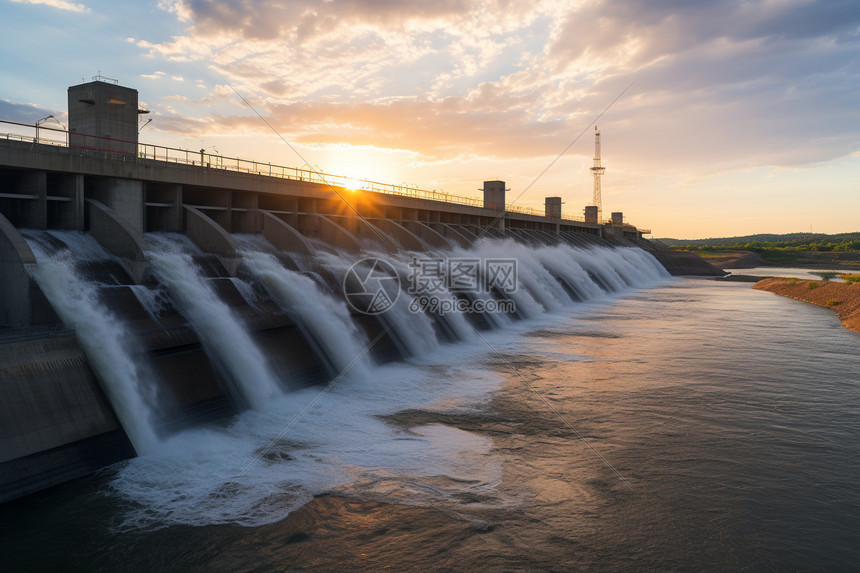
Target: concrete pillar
428, 234
164, 207
34, 183
500, 224
371, 235
118, 237
452, 234
173, 215
125, 197
245, 217
212, 238
70, 214
328, 231
14, 279
393, 230
283, 236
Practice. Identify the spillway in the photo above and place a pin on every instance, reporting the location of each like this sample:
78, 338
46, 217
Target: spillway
228, 342
60, 272
190, 344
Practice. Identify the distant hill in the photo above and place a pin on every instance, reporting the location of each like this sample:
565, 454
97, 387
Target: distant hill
785, 240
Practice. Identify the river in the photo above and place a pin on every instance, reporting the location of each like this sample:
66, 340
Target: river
690, 425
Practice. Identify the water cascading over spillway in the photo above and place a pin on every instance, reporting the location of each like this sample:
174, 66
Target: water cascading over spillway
226, 340
550, 279
327, 318
453, 323
344, 436
103, 337
412, 332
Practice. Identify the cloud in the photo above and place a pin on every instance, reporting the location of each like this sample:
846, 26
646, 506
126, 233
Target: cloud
436, 130
720, 85
305, 20
58, 4
348, 48
624, 34
730, 84
26, 112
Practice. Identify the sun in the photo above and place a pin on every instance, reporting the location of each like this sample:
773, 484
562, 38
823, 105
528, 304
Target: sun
353, 185
358, 168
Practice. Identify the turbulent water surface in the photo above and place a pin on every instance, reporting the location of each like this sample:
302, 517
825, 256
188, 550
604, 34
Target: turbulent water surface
686, 425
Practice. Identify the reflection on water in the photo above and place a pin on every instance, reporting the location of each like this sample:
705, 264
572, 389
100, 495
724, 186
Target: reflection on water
731, 414
803, 274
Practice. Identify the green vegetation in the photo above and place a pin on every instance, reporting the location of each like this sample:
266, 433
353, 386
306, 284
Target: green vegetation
843, 242
707, 252
851, 279
813, 285
831, 302
827, 275
791, 249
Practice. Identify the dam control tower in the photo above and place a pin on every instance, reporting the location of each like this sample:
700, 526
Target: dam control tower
103, 116
597, 170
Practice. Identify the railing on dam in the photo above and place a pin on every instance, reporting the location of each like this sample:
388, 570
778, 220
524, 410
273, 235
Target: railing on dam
110, 148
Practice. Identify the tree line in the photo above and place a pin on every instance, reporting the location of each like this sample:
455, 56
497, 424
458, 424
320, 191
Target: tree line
843, 242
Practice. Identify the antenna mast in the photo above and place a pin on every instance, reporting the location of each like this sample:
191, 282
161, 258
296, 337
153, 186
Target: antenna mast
597, 170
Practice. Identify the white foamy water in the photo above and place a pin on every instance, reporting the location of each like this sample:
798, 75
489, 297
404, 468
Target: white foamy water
413, 332
266, 463
226, 340
456, 323
153, 300
100, 333
326, 317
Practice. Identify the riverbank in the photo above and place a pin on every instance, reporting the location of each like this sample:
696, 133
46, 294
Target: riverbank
740, 259
841, 297
734, 259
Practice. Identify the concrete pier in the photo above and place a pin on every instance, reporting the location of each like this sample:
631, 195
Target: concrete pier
15, 282
119, 238
55, 421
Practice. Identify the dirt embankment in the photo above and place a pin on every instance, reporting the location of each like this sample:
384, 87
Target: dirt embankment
681, 263
841, 297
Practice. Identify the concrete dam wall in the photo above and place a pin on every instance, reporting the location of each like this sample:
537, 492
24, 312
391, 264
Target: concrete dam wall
139, 297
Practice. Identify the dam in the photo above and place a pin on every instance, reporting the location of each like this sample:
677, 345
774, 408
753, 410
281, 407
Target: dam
146, 289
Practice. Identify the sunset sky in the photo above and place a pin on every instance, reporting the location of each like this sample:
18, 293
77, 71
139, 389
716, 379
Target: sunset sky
742, 117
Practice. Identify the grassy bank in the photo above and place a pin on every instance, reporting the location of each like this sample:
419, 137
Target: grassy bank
777, 257
844, 298
791, 250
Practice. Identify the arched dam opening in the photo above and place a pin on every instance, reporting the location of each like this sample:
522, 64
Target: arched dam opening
141, 297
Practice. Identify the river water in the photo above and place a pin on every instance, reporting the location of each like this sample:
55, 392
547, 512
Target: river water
690, 425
